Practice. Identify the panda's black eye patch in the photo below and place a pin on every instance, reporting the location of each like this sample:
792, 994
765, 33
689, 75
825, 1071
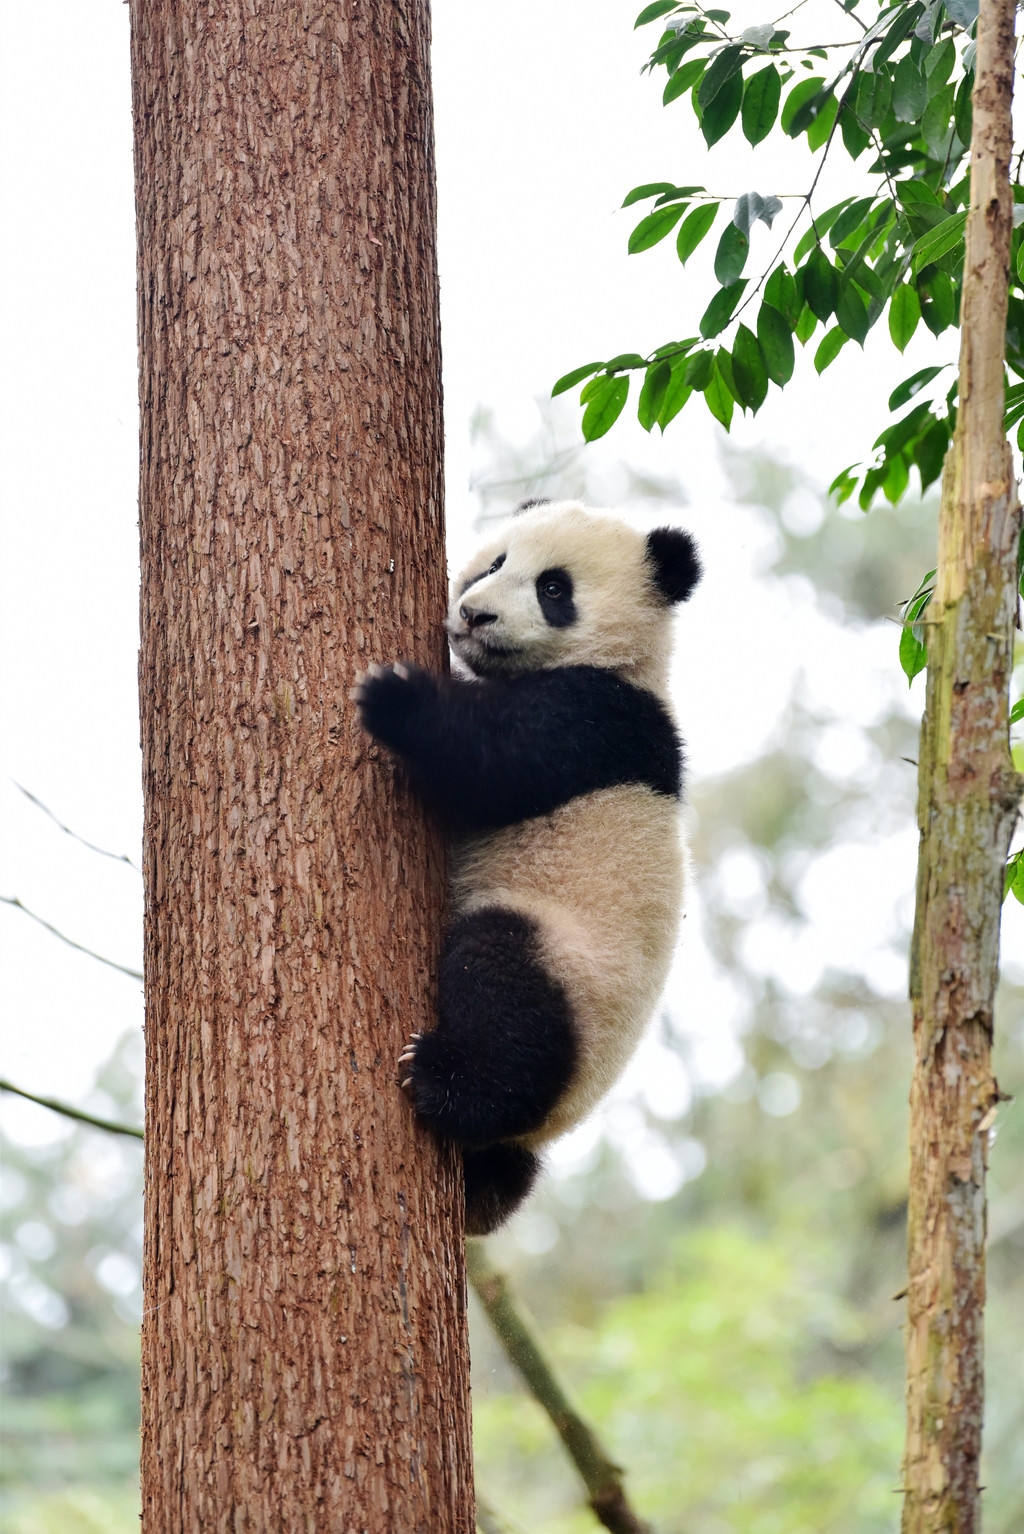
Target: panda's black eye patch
497, 564
554, 593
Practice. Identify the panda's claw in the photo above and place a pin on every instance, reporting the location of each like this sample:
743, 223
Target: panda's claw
407, 1083
401, 670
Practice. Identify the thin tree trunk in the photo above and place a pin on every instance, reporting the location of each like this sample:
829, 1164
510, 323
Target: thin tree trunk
968, 797
304, 1343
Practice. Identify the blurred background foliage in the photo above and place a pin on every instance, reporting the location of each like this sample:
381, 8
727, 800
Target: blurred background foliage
735, 1338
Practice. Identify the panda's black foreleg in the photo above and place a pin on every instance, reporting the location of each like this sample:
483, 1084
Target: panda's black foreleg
504, 1049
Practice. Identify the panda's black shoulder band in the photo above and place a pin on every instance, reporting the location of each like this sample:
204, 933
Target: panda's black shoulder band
491, 753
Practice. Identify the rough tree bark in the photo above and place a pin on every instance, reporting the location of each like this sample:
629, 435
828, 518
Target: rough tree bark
304, 1345
968, 797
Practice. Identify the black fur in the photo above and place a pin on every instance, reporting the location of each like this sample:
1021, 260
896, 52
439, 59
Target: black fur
493, 752
672, 555
504, 1048
528, 505
554, 594
497, 1181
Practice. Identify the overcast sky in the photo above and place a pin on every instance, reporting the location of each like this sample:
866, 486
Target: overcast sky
543, 123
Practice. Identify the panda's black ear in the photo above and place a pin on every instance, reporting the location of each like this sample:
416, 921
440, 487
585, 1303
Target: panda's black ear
540, 500
675, 563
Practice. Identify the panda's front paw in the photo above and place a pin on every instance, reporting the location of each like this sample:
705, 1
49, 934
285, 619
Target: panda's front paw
424, 1077
388, 697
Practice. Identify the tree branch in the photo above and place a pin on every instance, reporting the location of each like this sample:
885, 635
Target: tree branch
602, 1478
56, 1106
118, 857
134, 974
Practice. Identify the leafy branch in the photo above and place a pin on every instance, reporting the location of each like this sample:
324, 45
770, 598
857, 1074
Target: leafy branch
905, 96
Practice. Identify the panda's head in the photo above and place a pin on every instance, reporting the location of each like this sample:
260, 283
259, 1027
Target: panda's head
562, 586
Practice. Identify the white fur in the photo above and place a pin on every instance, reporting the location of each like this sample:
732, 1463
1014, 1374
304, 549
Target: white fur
603, 875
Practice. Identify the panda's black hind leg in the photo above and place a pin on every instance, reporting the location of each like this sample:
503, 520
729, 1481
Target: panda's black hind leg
503, 1050
498, 1178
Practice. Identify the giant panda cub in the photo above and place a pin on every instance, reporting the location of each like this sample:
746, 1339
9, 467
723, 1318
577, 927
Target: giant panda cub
559, 769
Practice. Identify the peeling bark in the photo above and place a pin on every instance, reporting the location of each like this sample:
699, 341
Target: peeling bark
304, 1346
967, 806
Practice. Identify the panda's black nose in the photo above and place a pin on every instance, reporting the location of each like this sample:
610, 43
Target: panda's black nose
476, 619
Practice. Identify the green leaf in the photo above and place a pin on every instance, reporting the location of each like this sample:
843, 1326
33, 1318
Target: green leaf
930, 453
913, 655
904, 392
699, 369
760, 104
802, 93
897, 476
604, 406
719, 116
781, 294
718, 397
931, 247
683, 80
805, 325
938, 302
831, 344
1017, 711
962, 110
676, 395
844, 484
821, 283
938, 64
731, 255
625, 360
855, 137
1015, 877
722, 69
819, 130
649, 189
568, 380
748, 369
852, 313
937, 121
895, 437
652, 12
909, 91
902, 20
775, 336
872, 479
723, 365
904, 314
655, 226
656, 381
874, 93
721, 309
693, 229
849, 221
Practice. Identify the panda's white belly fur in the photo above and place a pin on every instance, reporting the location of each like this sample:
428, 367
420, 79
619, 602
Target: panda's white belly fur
603, 879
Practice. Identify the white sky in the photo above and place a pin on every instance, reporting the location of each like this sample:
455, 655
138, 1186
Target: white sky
543, 123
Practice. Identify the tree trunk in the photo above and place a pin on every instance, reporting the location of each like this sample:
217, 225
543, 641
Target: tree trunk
968, 797
304, 1342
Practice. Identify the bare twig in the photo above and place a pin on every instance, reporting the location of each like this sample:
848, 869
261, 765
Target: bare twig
602, 1478
134, 974
118, 857
56, 1106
